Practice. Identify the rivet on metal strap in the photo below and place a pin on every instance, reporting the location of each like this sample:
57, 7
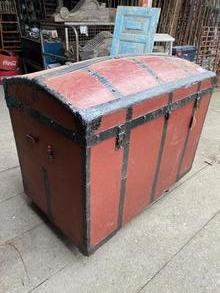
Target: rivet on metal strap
167, 113
197, 101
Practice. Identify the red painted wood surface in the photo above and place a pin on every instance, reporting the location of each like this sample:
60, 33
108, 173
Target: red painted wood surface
105, 185
194, 135
142, 160
149, 105
206, 84
165, 70
27, 153
82, 90
184, 92
111, 120
63, 172
143, 153
43, 102
177, 128
126, 76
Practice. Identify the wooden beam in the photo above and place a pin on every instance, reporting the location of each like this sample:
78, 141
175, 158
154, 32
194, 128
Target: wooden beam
145, 3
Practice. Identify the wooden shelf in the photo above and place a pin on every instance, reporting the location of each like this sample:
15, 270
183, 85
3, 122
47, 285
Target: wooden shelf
10, 32
9, 22
7, 13
12, 47
12, 41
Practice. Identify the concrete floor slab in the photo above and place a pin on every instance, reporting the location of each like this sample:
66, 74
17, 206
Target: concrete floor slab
137, 252
196, 268
211, 131
45, 252
8, 153
10, 183
16, 218
13, 277
215, 102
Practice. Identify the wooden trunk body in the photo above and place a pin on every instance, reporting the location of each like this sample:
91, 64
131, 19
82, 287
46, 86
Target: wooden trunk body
100, 140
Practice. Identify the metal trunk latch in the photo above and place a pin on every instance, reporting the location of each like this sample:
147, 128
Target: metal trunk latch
120, 138
196, 107
167, 113
197, 101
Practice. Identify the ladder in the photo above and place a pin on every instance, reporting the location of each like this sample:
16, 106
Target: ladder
10, 32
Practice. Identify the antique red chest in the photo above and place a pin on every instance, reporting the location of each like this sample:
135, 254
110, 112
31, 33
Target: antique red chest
98, 141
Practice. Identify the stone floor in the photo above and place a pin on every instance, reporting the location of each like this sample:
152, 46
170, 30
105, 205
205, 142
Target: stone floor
172, 247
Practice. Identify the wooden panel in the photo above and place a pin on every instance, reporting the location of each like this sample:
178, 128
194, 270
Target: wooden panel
143, 153
126, 76
177, 129
105, 176
65, 177
194, 135
206, 84
43, 102
150, 105
81, 89
111, 120
185, 92
166, 70
27, 154
134, 30
55, 185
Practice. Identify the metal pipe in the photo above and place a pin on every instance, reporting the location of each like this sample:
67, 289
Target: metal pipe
77, 42
54, 55
67, 38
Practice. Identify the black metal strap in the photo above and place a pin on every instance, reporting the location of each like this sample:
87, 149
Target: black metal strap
104, 81
94, 139
13, 103
91, 139
167, 113
47, 193
148, 69
124, 167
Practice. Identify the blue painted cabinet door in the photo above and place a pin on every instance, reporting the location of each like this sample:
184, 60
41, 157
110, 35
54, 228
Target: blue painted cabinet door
134, 31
